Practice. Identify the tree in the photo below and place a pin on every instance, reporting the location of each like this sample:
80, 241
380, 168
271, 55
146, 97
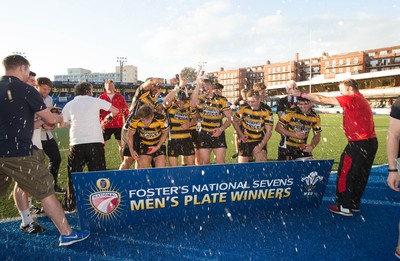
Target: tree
189, 73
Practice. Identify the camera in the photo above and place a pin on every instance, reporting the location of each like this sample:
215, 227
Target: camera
55, 110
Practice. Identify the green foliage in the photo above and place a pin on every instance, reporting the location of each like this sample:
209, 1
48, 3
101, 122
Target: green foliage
331, 146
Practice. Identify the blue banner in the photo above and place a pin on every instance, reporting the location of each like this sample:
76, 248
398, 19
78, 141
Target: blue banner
117, 199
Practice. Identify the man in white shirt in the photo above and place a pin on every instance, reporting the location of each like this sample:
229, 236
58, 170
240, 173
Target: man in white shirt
85, 135
49, 144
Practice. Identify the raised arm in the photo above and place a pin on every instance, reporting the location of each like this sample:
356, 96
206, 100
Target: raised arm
194, 100
315, 97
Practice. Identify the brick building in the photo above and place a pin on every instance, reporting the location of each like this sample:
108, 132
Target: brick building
326, 67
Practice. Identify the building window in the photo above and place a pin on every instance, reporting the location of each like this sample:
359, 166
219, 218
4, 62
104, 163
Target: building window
348, 61
333, 63
374, 63
340, 70
382, 52
327, 64
341, 62
397, 59
396, 51
355, 60
371, 54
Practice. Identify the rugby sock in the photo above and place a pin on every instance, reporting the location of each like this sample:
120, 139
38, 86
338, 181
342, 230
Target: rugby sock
26, 217
30, 202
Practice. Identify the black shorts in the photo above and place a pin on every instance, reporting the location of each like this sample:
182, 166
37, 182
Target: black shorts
194, 134
178, 147
110, 131
205, 141
246, 149
143, 149
293, 153
136, 138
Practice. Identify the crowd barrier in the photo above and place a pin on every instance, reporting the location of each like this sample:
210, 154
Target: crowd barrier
121, 198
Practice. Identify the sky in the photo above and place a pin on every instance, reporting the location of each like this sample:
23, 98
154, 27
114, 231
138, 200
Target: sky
162, 37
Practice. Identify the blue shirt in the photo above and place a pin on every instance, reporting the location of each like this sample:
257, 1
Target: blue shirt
18, 104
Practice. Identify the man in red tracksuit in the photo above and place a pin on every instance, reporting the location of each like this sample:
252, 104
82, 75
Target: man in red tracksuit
358, 156
113, 125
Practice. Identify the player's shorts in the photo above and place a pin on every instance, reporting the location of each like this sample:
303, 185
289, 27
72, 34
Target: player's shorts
293, 153
110, 131
205, 141
246, 148
143, 151
136, 138
30, 172
178, 147
194, 134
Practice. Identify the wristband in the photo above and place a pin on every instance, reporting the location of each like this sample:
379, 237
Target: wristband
393, 170
303, 95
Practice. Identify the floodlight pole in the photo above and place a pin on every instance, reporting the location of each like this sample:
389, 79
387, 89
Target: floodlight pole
121, 61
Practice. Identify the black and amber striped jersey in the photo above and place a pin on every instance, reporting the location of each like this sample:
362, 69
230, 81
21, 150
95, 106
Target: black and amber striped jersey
151, 134
147, 98
253, 122
295, 120
143, 97
211, 112
176, 117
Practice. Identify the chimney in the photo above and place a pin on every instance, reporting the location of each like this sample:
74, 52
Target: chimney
297, 57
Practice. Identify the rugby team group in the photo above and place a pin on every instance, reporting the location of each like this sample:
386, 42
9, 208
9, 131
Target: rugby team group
193, 121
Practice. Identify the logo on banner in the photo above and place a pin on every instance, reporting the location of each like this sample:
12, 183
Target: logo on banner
310, 183
104, 201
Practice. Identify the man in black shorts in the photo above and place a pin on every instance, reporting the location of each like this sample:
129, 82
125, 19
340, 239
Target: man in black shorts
284, 104
212, 109
113, 125
181, 117
253, 123
296, 125
153, 131
144, 94
85, 135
